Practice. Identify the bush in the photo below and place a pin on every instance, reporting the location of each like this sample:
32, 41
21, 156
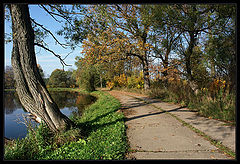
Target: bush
110, 85
160, 93
135, 82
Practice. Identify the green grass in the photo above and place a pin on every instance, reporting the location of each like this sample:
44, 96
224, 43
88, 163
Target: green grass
102, 136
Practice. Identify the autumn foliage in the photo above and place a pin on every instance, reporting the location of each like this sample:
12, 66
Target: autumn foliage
184, 53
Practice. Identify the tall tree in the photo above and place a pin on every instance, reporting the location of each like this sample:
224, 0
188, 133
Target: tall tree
123, 29
164, 36
191, 20
220, 46
30, 86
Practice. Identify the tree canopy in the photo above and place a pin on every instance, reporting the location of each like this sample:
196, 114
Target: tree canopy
185, 38
61, 78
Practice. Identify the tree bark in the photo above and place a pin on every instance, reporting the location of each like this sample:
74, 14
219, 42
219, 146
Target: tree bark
30, 86
146, 74
165, 63
188, 56
145, 62
188, 62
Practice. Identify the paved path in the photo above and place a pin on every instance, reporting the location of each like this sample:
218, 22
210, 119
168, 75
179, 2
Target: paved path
155, 134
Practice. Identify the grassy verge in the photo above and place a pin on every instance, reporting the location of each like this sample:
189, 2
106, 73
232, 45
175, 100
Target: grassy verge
100, 134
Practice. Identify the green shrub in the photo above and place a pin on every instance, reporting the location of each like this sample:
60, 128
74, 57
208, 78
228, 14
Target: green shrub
61, 78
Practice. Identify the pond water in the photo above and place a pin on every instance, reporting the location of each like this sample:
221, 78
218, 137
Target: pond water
70, 104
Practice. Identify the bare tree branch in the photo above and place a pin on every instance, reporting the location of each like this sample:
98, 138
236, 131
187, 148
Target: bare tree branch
63, 45
67, 55
58, 56
50, 13
62, 15
62, 12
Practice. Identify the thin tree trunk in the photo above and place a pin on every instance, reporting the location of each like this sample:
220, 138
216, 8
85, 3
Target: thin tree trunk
191, 80
145, 63
146, 75
188, 56
30, 87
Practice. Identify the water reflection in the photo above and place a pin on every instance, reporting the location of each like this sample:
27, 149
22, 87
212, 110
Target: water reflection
11, 102
70, 104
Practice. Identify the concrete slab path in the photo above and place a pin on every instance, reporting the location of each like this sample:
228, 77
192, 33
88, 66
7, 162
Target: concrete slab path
154, 134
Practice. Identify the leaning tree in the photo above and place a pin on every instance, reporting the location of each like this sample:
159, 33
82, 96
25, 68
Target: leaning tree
30, 86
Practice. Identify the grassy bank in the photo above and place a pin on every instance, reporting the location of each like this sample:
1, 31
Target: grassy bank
100, 134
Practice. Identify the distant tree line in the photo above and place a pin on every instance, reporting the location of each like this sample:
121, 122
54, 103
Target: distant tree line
9, 81
62, 79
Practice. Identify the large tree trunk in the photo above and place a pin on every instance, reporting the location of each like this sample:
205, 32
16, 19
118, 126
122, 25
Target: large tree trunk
30, 87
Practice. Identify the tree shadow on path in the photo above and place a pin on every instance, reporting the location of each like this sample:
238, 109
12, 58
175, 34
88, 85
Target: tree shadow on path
151, 114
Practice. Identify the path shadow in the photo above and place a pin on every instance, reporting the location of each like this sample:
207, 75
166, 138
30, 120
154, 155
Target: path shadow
132, 105
152, 114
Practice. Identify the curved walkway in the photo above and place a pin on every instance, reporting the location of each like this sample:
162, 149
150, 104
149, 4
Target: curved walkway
155, 134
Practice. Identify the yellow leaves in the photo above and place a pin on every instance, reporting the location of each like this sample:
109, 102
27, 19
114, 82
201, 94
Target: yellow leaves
136, 82
184, 82
148, 47
124, 81
110, 85
217, 85
204, 89
171, 79
14, 34
121, 80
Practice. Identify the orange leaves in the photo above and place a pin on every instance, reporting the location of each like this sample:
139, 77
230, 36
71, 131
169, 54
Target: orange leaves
148, 46
170, 73
105, 47
115, 34
217, 84
124, 81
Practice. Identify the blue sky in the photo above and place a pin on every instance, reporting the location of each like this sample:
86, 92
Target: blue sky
46, 59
